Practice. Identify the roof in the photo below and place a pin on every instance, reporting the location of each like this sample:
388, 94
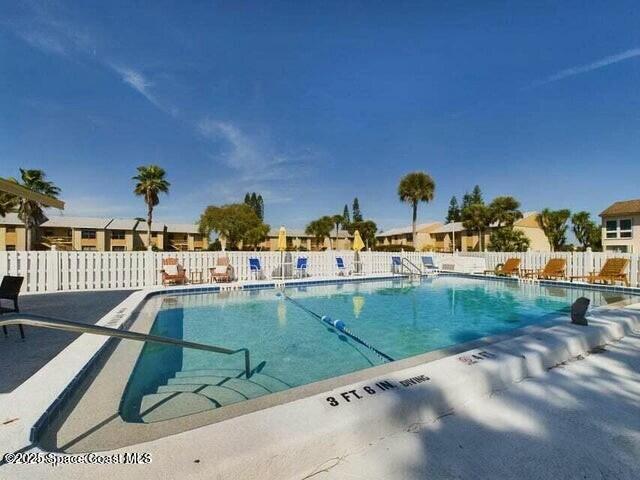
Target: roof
77, 222
122, 224
300, 233
450, 227
626, 207
11, 219
406, 230
182, 228
155, 227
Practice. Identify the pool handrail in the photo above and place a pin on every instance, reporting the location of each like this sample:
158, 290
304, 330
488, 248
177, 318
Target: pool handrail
40, 321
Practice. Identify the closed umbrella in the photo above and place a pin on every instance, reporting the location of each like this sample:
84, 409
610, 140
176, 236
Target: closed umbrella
358, 245
282, 246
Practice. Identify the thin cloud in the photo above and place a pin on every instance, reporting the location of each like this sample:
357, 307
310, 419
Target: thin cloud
137, 81
604, 62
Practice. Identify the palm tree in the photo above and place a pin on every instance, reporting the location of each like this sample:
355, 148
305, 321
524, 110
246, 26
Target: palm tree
505, 211
414, 188
320, 228
8, 203
30, 211
337, 221
151, 183
477, 217
554, 226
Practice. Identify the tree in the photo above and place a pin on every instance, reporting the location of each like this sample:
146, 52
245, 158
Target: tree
587, 232
466, 201
355, 210
554, 225
476, 195
320, 228
505, 211
367, 229
255, 201
477, 218
453, 214
236, 222
337, 221
8, 203
414, 188
29, 211
150, 183
507, 239
345, 215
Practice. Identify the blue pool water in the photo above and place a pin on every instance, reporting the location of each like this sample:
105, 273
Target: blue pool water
290, 347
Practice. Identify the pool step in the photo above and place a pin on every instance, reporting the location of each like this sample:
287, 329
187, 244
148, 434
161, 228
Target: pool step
156, 407
195, 391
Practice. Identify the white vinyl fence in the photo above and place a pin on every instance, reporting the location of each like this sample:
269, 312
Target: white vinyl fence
54, 271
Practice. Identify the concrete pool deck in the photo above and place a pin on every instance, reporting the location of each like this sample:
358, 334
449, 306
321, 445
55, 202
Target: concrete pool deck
329, 433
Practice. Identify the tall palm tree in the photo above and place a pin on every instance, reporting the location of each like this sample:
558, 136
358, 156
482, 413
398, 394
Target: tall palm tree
414, 188
150, 183
30, 211
337, 221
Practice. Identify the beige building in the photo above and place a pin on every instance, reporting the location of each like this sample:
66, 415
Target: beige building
621, 227
299, 240
100, 234
404, 236
466, 241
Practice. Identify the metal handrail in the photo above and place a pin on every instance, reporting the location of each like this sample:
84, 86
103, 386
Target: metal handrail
406, 260
59, 324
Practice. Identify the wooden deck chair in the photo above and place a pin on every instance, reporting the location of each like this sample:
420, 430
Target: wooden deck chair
223, 271
173, 272
554, 269
612, 271
506, 269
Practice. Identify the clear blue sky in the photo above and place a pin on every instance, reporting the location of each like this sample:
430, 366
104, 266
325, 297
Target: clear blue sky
313, 103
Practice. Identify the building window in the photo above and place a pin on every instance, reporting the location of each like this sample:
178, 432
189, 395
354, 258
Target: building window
118, 248
618, 249
11, 248
11, 229
88, 249
117, 234
618, 228
88, 234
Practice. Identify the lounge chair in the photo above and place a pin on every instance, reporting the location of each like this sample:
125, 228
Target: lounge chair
301, 266
9, 290
342, 269
255, 267
173, 272
506, 269
429, 264
396, 264
612, 271
553, 270
222, 272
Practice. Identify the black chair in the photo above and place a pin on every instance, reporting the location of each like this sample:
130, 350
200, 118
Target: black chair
9, 290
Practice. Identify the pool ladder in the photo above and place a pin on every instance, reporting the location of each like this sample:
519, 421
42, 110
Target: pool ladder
40, 321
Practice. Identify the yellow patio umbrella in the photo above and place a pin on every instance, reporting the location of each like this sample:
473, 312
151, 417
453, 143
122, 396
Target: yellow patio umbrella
358, 244
282, 239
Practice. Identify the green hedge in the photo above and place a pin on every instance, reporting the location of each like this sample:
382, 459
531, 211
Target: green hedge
393, 248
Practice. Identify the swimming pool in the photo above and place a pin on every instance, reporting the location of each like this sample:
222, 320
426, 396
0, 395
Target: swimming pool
290, 346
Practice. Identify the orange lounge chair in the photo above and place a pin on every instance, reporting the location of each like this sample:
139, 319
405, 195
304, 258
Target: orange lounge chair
554, 269
612, 271
222, 272
506, 269
172, 272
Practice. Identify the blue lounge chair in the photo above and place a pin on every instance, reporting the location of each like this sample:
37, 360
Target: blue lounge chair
301, 266
396, 264
341, 266
429, 265
255, 267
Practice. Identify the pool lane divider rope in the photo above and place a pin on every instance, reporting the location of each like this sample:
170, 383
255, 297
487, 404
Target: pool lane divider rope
338, 325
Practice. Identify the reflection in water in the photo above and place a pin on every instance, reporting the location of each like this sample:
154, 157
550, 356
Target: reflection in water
358, 305
282, 313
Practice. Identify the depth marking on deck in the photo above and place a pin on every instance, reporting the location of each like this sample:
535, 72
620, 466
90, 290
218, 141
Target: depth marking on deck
368, 391
476, 357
